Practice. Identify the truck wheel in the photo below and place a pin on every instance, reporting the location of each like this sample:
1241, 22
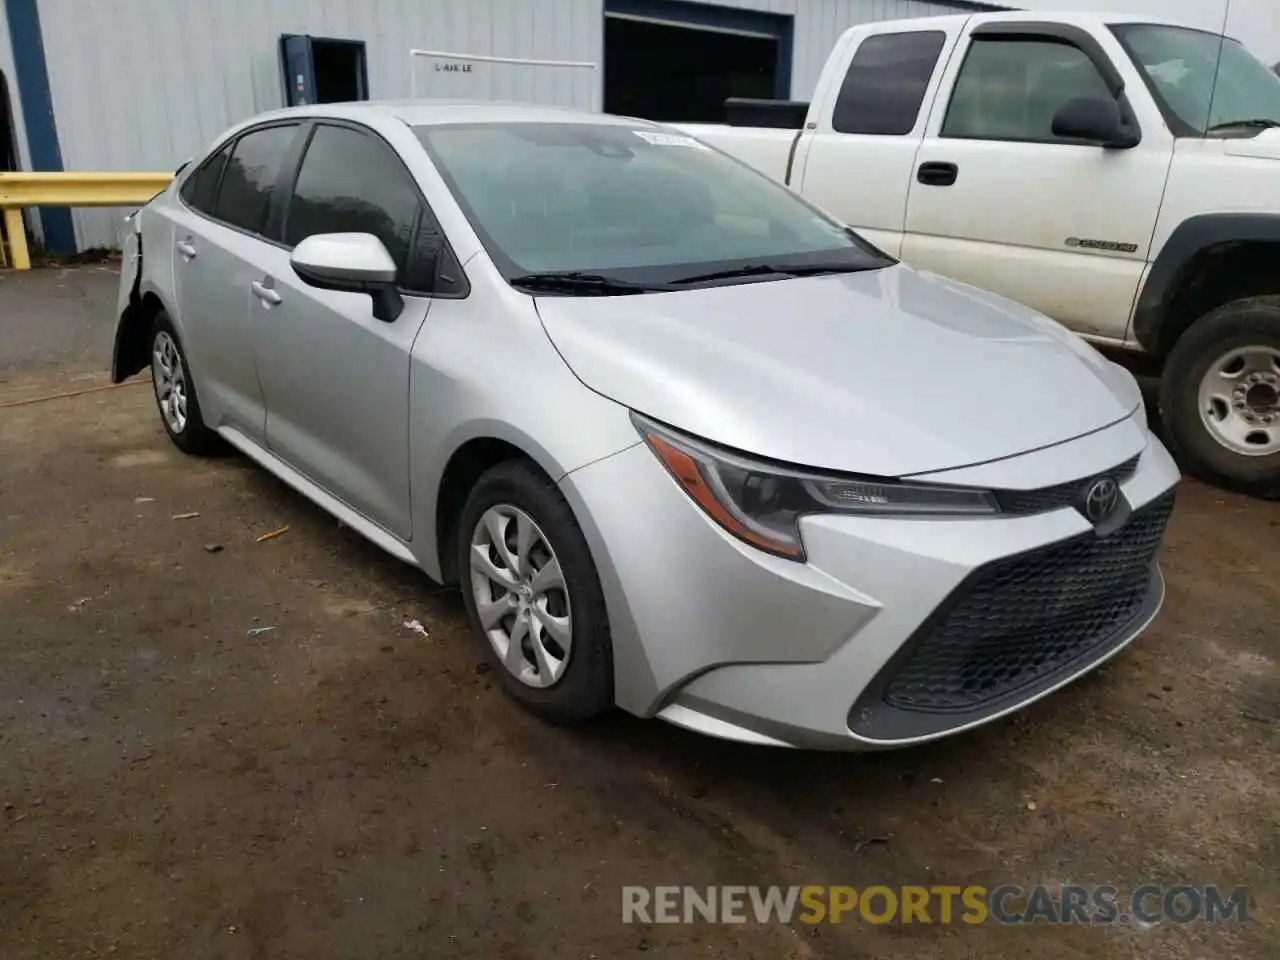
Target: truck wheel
1220, 397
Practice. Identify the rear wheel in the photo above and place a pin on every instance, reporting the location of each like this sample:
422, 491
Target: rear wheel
533, 595
1220, 397
175, 392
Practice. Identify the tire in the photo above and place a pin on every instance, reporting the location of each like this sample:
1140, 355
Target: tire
189, 433
1243, 331
578, 685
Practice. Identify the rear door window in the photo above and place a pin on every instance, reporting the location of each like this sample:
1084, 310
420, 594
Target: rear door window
250, 177
886, 83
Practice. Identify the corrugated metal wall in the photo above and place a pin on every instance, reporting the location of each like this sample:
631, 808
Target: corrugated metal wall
144, 84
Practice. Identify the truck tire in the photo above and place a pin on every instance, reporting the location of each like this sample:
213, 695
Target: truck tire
1220, 397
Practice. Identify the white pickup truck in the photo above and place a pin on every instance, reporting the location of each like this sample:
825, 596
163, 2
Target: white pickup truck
1121, 176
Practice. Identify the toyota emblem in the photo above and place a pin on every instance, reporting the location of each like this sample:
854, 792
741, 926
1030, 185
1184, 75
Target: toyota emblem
1100, 499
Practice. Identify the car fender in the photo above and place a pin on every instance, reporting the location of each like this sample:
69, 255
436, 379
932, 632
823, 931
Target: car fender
1173, 269
429, 474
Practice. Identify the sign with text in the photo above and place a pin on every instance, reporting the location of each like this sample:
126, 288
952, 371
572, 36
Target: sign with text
453, 75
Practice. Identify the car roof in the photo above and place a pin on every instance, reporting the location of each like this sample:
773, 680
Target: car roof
431, 112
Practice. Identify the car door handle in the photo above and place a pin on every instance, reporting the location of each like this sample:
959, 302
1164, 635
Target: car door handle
187, 249
937, 173
265, 293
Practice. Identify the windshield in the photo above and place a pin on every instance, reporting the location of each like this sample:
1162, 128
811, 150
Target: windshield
630, 203
1180, 64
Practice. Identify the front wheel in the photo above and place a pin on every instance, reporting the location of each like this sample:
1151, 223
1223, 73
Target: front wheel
533, 595
1220, 397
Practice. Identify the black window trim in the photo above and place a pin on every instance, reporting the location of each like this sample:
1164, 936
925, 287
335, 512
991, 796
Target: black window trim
285, 188
194, 171
231, 143
920, 108
1064, 34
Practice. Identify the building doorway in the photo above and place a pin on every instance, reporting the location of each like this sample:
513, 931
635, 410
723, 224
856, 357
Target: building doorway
667, 60
323, 70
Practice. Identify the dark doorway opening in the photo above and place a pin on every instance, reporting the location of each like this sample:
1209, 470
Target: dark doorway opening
671, 72
8, 130
340, 70
323, 70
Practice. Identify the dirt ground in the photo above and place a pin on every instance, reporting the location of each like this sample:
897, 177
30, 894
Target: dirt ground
178, 780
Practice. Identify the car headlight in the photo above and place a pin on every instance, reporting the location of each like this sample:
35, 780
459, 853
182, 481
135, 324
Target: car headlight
761, 503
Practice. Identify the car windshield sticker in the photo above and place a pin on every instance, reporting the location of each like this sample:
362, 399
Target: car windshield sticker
668, 139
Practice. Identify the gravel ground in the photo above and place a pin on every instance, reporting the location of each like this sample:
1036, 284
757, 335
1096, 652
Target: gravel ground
176, 779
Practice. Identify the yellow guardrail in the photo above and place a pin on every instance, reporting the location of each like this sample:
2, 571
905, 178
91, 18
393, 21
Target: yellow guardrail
19, 190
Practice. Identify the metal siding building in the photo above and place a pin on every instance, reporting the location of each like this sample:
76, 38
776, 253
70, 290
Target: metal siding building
144, 85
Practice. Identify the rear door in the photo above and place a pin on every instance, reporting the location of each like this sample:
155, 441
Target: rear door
1061, 226
218, 238
335, 378
859, 159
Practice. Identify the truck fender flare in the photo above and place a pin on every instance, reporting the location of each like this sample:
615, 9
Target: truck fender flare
1175, 264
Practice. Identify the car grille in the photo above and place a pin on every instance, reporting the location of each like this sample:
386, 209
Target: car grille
1059, 495
1021, 619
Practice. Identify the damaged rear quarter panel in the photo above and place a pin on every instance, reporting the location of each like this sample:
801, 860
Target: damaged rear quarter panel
139, 276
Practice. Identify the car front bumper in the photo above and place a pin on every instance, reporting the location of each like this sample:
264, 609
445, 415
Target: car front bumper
895, 631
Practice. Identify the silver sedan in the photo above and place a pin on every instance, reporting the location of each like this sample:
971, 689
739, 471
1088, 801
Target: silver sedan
689, 446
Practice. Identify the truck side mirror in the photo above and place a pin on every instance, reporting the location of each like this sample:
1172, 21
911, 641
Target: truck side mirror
1094, 120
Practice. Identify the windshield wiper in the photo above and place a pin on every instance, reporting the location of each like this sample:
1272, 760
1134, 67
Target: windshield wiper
578, 282
1257, 123
769, 269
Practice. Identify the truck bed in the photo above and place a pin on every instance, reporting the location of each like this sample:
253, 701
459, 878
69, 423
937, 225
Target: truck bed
766, 149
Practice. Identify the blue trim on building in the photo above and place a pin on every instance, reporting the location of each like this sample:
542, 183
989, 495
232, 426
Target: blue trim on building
32, 76
779, 25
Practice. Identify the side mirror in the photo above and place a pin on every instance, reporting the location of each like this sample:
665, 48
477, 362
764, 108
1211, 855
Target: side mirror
351, 263
1094, 120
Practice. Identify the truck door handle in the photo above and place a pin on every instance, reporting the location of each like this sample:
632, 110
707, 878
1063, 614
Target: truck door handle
266, 294
187, 249
937, 173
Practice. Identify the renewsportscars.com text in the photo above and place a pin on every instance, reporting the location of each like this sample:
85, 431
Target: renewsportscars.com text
939, 904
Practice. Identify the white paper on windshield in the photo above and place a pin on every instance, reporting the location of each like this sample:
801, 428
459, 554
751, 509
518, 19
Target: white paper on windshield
669, 139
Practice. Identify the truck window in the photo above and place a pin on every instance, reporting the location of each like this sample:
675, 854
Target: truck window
886, 82
1187, 69
1010, 89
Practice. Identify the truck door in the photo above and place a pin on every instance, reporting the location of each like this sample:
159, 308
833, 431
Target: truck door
998, 201
859, 159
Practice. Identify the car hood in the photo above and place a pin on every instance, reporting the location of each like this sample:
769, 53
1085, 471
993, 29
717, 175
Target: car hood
888, 372
1265, 145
